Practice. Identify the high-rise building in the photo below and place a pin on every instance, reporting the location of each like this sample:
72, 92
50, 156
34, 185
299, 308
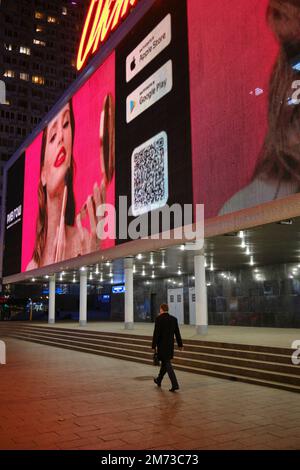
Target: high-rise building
38, 46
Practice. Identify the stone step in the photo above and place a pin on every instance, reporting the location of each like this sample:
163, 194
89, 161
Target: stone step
117, 350
271, 354
220, 358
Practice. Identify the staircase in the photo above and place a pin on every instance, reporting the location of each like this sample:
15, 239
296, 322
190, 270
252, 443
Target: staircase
260, 365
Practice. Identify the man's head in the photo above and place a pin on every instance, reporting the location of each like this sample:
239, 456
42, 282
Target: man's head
164, 308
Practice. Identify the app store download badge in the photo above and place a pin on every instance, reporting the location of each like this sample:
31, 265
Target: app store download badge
153, 44
151, 91
149, 175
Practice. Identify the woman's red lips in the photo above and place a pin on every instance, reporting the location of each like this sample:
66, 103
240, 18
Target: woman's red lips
60, 157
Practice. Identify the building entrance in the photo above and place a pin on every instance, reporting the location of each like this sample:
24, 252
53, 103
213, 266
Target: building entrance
175, 302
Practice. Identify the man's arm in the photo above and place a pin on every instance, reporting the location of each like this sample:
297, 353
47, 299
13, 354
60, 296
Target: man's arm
155, 335
178, 335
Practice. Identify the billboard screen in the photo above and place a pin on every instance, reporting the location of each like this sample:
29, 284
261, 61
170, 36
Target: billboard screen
14, 217
194, 105
236, 119
69, 170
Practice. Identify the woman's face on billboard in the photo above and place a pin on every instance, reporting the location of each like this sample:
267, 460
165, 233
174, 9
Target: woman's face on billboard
58, 152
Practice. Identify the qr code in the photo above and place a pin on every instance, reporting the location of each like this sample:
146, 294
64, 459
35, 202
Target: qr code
150, 175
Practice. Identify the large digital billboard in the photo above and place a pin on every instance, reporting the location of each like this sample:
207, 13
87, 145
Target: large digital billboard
14, 217
195, 104
69, 171
240, 78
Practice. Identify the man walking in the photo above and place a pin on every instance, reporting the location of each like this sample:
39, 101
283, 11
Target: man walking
166, 326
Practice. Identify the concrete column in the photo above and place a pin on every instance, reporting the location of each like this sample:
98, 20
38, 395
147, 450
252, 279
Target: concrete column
83, 299
129, 318
51, 309
201, 295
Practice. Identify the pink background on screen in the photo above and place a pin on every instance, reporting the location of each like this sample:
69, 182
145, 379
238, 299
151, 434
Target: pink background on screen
232, 52
87, 105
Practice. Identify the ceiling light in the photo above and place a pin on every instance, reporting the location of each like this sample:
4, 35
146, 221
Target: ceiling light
139, 256
163, 264
251, 261
241, 234
151, 259
182, 247
286, 222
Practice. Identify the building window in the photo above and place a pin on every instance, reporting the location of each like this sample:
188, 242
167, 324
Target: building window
38, 80
24, 50
51, 19
64, 11
39, 43
39, 28
9, 73
8, 47
24, 76
38, 15
23, 104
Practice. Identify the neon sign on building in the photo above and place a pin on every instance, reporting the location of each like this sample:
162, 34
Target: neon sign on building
103, 17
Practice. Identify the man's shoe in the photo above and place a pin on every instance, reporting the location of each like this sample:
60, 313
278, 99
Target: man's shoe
173, 389
157, 382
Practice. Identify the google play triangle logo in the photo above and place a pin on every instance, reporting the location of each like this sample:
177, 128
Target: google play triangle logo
132, 105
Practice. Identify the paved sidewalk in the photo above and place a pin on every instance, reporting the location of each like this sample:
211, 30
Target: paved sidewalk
53, 398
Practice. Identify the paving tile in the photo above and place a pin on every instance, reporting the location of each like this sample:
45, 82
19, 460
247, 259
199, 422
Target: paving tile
53, 398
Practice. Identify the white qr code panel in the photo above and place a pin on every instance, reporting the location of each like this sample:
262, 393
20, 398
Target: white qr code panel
149, 175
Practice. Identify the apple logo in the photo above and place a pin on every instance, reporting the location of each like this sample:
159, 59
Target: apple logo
133, 64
